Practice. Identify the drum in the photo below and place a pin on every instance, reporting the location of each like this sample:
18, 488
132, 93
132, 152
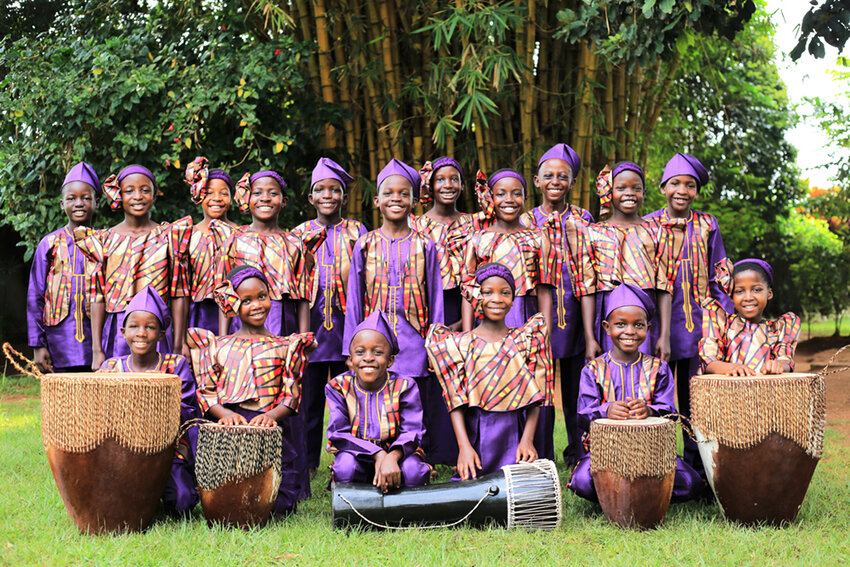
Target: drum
238, 469
110, 443
525, 496
633, 465
760, 439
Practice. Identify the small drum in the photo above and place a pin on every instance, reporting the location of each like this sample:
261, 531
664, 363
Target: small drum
525, 496
760, 439
109, 439
633, 465
238, 468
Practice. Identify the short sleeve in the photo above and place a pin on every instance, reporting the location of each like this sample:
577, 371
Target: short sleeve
202, 349
535, 335
784, 333
294, 362
447, 362
89, 242
712, 344
179, 236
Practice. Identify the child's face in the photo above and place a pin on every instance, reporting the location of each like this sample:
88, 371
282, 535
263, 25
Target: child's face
137, 195
508, 199
142, 331
328, 197
680, 191
627, 193
217, 202
750, 295
555, 180
627, 326
497, 297
395, 198
369, 357
255, 302
446, 185
78, 201
266, 199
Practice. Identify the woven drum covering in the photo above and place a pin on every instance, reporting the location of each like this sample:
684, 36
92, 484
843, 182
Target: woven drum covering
138, 410
741, 412
633, 448
235, 452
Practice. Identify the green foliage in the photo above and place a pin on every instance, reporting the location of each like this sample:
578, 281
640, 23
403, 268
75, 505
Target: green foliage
828, 22
832, 119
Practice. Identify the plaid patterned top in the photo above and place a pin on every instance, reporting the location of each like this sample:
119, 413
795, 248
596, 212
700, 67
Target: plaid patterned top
499, 376
125, 264
62, 262
457, 235
731, 338
258, 373
438, 232
205, 258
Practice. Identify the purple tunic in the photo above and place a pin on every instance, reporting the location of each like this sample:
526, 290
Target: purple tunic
495, 436
69, 342
203, 314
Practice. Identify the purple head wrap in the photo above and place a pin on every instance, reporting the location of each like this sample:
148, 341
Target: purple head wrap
398, 167
627, 295
768, 269
112, 185
444, 162
564, 152
501, 174
85, 173
225, 294
221, 174
269, 173
243, 273
131, 169
684, 164
326, 168
494, 269
377, 321
627, 166
148, 300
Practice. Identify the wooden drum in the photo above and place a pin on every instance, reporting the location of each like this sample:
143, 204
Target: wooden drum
633, 464
238, 468
110, 443
760, 439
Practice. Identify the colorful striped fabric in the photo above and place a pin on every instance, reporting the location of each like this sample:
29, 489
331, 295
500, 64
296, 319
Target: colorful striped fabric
438, 233
389, 412
603, 369
60, 274
205, 249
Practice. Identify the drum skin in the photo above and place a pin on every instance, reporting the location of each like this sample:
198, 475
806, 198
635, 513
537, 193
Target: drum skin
244, 503
110, 489
639, 503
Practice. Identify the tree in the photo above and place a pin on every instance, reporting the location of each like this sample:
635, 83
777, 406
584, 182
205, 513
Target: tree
829, 22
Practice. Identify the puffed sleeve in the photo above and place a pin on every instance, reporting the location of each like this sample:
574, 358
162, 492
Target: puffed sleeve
535, 334
468, 266
179, 236
89, 241
339, 425
304, 268
294, 362
226, 259
410, 428
783, 336
447, 361
112, 365
35, 295
712, 345
202, 348
590, 404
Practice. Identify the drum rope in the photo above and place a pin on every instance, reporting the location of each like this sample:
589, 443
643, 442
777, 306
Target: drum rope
11, 355
826, 371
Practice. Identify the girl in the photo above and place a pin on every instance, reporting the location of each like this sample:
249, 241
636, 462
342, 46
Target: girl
375, 423
212, 190
328, 186
130, 256
745, 343
57, 319
253, 376
555, 178
624, 383
144, 324
494, 379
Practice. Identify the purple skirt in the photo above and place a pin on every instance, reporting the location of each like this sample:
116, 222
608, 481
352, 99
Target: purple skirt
204, 315
495, 436
544, 436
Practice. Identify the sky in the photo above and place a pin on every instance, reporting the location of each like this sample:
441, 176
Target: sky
805, 77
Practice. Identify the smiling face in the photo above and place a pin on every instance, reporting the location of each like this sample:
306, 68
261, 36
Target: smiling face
328, 197
627, 193
266, 199
137, 195
78, 202
369, 357
255, 302
627, 326
750, 295
142, 331
497, 298
446, 185
555, 180
680, 191
395, 198
217, 202
508, 199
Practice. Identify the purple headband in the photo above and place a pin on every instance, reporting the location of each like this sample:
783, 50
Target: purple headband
377, 321
221, 174
398, 167
131, 169
494, 269
268, 173
627, 166
764, 265
502, 173
245, 273
684, 164
445, 162
564, 152
326, 168
85, 173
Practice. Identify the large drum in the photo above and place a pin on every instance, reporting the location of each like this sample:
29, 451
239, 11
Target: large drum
760, 439
110, 443
633, 465
524, 495
238, 468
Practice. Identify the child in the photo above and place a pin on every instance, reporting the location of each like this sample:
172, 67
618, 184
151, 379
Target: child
375, 423
212, 189
60, 278
625, 383
396, 270
252, 377
328, 186
527, 253
745, 343
130, 256
691, 254
494, 379
144, 324
555, 178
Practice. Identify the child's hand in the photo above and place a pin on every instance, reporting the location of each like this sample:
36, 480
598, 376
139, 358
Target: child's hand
468, 462
525, 452
387, 471
262, 420
592, 350
739, 370
638, 408
232, 418
662, 348
97, 359
618, 410
43, 359
774, 367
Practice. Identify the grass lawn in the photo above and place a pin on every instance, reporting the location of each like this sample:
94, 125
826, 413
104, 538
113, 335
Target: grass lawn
36, 530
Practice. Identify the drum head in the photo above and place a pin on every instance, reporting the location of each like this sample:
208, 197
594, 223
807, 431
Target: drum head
760, 377
652, 420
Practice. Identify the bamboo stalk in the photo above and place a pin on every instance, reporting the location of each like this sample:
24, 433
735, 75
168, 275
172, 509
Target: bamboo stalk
620, 116
635, 81
610, 155
328, 132
307, 33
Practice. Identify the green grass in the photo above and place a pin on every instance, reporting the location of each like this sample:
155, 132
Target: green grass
36, 530
824, 327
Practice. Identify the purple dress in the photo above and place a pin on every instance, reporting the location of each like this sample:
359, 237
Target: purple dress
362, 423
58, 291
180, 494
605, 380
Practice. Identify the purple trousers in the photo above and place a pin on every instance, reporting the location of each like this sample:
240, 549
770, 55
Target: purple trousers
570, 378
349, 467
544, 435
685, 369
203, 314
439, 442
180, 495
312, 409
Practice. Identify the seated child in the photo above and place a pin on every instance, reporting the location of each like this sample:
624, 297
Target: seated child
494, 378
252, 377
375, 424
143, 327
745, 343
624, 383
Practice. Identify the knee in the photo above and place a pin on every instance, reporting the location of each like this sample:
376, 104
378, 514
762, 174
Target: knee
414, 471
344, 467
582, 482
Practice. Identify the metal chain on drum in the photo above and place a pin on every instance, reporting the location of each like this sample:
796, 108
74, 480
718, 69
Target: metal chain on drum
227, 453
